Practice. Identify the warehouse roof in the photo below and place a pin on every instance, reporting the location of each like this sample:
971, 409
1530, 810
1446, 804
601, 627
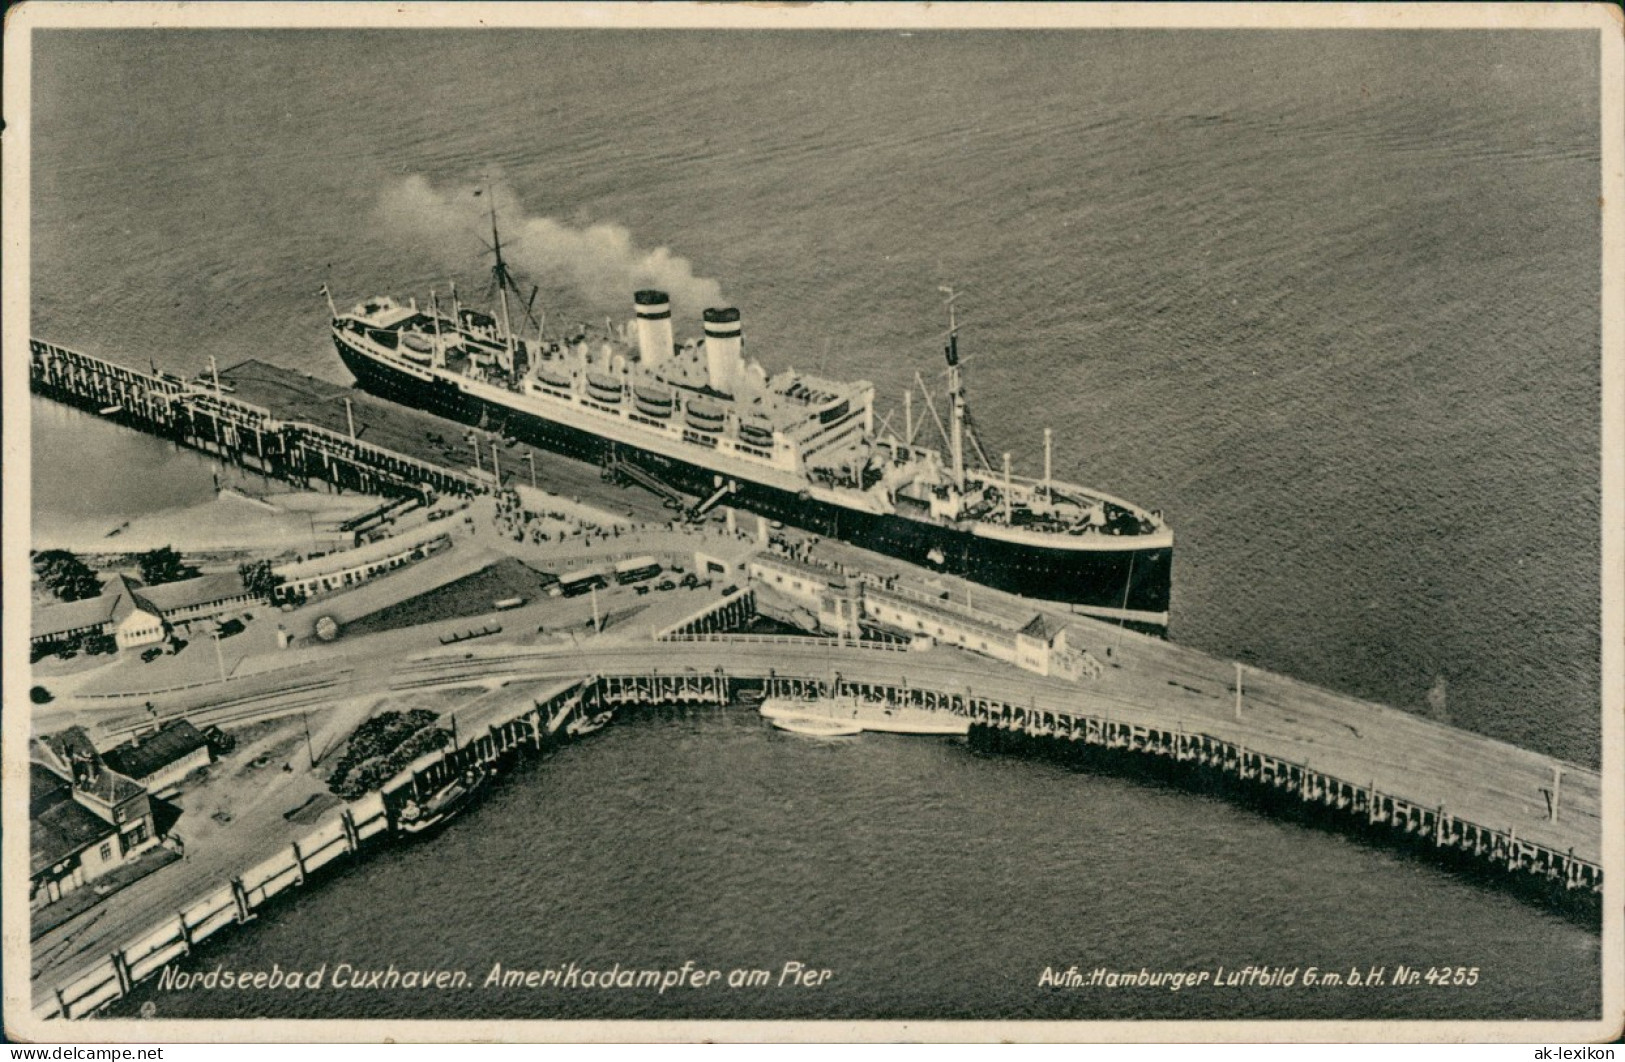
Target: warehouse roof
143, 759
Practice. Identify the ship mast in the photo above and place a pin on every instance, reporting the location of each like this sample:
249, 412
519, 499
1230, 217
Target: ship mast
501, 278
439, 340
956, 392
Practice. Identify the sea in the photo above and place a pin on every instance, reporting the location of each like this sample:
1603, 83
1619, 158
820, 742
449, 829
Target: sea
1329, 300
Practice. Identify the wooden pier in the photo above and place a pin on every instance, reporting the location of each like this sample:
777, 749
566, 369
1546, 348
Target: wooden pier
534, 724
233, 430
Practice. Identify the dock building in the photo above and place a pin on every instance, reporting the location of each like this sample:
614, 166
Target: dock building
161, 760
119, 612
339, 571
85, 819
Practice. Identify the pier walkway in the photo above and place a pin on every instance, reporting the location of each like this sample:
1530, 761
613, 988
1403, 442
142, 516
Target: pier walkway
1437, 787
548, 687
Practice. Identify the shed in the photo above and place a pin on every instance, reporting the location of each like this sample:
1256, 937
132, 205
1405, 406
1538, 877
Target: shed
161, 760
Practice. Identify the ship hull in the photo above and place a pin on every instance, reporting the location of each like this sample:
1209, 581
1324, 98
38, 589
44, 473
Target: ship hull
1128, 583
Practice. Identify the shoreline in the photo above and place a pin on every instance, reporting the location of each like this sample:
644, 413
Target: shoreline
229, 523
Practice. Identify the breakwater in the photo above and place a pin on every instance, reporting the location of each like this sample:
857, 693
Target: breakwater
210, 420
578, 707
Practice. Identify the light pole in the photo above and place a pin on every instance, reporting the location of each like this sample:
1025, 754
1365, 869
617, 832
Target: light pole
219, 657
530, 459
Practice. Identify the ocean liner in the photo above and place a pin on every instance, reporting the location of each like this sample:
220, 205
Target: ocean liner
699, 418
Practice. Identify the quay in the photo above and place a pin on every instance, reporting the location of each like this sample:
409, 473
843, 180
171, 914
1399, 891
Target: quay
1006, 713
1124, 703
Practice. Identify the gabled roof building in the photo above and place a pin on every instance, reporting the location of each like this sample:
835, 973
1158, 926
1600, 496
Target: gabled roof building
85, 818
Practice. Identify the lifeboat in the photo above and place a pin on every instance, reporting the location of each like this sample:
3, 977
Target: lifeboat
601, 388
553, 379
704, 416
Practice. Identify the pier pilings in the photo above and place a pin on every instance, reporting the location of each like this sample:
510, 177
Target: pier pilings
196, 416
575, 708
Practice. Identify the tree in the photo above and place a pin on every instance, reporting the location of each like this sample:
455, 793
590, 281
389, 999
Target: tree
258, 578
162, 565
66, 576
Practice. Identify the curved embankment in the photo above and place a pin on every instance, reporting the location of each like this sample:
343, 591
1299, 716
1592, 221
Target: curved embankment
580, 706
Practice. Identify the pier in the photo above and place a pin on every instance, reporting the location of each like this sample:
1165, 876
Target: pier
1141, 706
720, 667
233, 430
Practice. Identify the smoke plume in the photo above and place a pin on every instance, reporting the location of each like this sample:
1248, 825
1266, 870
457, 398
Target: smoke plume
599, 262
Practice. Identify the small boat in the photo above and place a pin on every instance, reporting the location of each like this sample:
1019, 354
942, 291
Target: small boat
442, 805
816, 726
580, 726
887, 718
751, 696
854, 716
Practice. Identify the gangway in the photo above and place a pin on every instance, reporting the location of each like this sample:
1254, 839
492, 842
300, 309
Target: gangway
699, 511
671, 496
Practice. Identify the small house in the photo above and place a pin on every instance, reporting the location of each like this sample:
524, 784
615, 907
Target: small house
85, 818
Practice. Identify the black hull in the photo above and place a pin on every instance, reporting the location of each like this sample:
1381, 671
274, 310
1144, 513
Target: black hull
1136, 580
